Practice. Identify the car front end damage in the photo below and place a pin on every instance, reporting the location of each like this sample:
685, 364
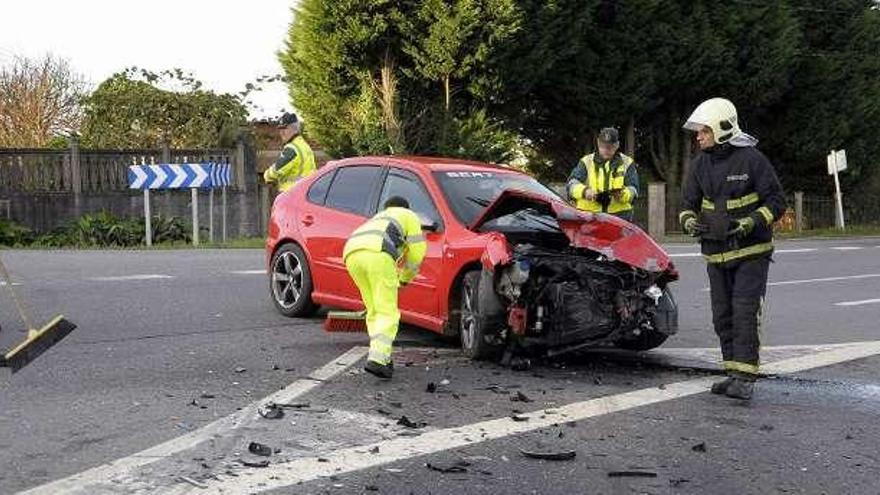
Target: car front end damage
557, 279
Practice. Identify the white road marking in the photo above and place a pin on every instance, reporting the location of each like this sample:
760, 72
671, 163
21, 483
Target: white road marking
858, 303
684, 255
121, 467
124, 278
357, 458
801, 250
14, 284
817, 280
249, 272
846, 248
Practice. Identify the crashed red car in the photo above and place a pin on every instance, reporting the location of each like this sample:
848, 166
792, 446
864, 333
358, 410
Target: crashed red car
509, 265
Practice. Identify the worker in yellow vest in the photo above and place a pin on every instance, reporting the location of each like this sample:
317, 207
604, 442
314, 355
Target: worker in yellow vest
297, 159
382, 255
606, 181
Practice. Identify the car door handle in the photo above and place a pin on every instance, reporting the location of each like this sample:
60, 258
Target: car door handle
308, 220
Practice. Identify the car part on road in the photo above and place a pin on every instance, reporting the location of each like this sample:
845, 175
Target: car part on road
256, 464
260, 449
38, 341
271, 411
458, 467
406, 422
550, 456
291, 282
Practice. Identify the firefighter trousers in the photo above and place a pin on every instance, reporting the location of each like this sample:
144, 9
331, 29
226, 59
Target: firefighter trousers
738, 290
375, 275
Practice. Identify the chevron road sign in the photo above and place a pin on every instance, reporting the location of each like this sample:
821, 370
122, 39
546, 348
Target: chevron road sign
179, 176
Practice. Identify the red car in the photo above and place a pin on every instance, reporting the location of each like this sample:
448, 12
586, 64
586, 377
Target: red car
509, 262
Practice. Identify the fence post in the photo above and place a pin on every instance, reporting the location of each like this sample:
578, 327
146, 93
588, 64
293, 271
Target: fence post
76, 175
798, 211
657, 210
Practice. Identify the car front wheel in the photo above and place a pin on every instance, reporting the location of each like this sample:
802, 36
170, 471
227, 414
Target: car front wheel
478, 339
290, 282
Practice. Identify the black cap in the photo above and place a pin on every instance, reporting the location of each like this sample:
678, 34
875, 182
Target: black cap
289, 119
609, 135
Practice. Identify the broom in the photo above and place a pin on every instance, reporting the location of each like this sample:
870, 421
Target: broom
346, 321
37, 341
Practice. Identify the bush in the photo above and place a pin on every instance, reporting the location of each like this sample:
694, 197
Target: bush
12, 234
106, 230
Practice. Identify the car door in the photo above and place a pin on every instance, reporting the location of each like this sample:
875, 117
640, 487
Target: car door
348, 202
420, 296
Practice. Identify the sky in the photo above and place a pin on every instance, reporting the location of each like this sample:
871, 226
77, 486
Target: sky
224, 43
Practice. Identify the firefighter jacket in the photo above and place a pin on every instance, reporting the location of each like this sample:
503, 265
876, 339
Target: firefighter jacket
396, 231
739, 182
603, 177
297, 160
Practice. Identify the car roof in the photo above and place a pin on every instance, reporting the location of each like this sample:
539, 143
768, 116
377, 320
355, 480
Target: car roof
429, 163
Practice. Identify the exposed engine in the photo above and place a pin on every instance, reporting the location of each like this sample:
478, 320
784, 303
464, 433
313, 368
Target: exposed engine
576, 296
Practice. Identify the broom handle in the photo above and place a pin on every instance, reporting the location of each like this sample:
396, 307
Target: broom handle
18, 304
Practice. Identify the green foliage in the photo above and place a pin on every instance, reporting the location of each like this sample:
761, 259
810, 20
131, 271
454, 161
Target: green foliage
107, 230
131, 110
14, 235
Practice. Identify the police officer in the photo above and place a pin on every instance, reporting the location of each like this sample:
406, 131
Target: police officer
297, 160
372, 254
730, 200
606, 181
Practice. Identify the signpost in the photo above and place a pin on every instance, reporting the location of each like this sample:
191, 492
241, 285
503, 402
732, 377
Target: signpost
836, 164
193, 176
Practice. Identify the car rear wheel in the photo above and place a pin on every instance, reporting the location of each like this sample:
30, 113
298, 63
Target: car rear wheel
478, 339
290, 282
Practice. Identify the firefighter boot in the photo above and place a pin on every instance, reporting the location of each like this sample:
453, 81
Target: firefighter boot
741, 388
720, 387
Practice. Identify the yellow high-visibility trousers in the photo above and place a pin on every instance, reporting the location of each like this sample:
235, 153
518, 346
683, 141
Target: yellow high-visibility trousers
375, 275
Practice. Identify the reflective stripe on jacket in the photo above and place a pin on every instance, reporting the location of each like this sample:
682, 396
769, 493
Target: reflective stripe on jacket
396, 231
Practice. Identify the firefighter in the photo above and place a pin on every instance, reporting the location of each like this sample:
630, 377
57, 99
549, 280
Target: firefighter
606, 181
297, 160
730, 200
381, 256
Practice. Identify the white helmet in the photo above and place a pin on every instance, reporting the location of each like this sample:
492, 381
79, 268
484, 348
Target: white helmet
718, 114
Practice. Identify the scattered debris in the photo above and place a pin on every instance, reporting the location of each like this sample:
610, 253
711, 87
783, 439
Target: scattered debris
271, 411
597, 380
259, 449
404, 421
322, 459
518, 418
550, 456
632, 474
662, 386
296, 405
444, 382
520, 397
431, 388
458, 467
700, 447
371, 488
207, 396
383, 412
195, 403
374, 450
255, 464
197, 484
394, 470
240, 369
679, 481
275, 367
766, 428
520, 364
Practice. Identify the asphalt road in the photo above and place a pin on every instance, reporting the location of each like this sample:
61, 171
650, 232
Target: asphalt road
171, 341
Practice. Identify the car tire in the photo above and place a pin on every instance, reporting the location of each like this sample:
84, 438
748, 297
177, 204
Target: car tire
478, 339
290, 282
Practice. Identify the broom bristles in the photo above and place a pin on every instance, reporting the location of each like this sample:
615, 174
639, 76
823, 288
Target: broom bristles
346, 321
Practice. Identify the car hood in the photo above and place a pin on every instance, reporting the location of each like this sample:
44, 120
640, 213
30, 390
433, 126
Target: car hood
608, 235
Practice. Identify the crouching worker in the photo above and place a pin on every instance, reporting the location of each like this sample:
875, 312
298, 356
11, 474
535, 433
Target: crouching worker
381, 256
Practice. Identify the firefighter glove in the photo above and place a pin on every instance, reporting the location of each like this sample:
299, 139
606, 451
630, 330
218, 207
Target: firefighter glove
695, 228
744, 227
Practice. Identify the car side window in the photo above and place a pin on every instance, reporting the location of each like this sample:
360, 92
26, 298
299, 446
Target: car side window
350, 189
409, 186
318, 190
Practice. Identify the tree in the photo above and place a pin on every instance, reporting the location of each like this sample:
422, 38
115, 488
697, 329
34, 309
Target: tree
39, 100
132, 110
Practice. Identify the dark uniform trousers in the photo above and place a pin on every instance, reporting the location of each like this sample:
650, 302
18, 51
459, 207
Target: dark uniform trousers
738, 290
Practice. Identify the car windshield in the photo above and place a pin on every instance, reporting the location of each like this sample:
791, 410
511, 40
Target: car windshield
469, 192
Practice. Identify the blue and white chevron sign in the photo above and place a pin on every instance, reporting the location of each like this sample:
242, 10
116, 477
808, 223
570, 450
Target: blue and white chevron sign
169, 176
221, 174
